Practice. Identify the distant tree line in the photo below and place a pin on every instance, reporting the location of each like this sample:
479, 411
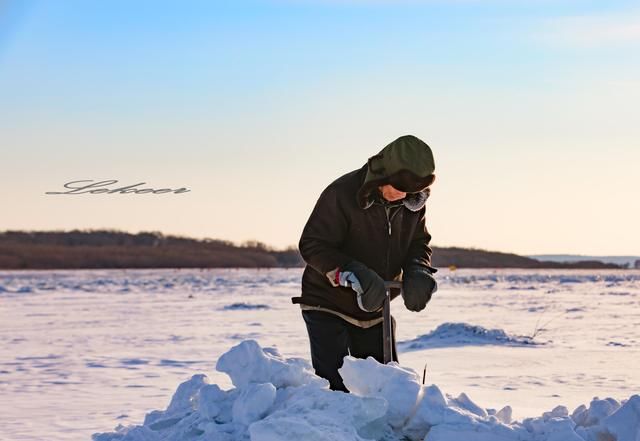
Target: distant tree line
117, 249
477, 258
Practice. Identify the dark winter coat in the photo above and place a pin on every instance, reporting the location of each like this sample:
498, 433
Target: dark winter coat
351, 221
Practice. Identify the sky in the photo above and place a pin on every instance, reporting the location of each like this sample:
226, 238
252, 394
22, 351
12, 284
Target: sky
530, 108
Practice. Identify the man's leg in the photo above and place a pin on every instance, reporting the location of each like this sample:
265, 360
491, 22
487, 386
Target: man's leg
365, 342
329, 340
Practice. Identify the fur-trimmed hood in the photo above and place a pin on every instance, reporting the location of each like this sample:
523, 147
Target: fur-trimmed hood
406, 163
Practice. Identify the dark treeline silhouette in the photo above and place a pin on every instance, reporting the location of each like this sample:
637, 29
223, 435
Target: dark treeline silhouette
476, 258
117, 249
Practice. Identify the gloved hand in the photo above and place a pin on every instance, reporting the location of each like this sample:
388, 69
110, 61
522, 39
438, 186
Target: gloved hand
418, 285
367, 284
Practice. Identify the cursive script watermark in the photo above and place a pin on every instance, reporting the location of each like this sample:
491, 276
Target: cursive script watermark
88, 186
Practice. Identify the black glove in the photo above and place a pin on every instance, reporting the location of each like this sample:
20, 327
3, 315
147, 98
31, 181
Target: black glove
369, 286
418, 285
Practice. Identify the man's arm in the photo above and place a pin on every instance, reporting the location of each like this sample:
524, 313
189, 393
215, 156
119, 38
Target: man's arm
419, 253
417, 280
323, 235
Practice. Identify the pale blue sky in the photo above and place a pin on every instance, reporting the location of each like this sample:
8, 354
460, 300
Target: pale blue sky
529, 106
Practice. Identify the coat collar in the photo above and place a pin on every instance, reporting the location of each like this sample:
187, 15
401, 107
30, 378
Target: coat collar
412, 201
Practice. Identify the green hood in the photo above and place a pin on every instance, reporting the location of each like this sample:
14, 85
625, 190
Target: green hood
406, 163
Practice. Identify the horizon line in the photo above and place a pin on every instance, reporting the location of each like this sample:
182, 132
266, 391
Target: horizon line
295, 246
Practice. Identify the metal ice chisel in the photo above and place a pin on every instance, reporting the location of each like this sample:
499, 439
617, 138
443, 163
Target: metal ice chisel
387, 325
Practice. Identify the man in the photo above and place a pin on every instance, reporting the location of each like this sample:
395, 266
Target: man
367, 226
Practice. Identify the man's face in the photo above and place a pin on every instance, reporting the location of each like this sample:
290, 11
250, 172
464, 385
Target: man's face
390, 193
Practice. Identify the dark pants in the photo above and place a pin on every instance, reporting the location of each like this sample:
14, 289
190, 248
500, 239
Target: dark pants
332, 338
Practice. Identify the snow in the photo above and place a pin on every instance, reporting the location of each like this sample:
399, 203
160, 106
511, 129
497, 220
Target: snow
84, 351
243, 306
463, 334
246, 363
399, 387
387, 402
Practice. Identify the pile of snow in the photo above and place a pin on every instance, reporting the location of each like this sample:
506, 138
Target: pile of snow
463, 334
274, 398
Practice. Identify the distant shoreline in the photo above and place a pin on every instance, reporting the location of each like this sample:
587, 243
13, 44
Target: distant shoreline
112, 249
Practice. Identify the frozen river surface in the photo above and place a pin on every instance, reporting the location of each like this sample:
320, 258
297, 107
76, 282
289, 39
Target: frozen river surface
84, 351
